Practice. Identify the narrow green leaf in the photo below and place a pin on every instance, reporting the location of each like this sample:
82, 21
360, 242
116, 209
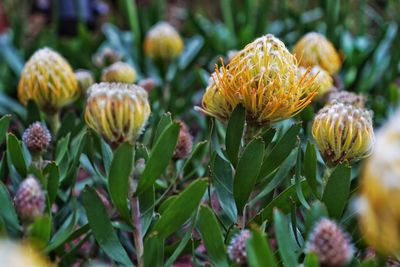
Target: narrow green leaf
247, 172
313, 215
311, 260
147, 203
159, 158
7, 211
62, 148
33, 113
102, 228
234, 133
337, 191
4, 123
280, 151
63, 233
164, 123
153, 252
107, 154
52, 174
259, 252
40, 231
192, 49
298, 178
118, 179
180, 210
267, 135
310, 168
211, 234
285, 242
14, 148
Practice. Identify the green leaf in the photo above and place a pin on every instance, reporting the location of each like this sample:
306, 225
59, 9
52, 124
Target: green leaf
7, 211
298, 179
40, 231
313, 215
337, 191
102, 228
280, 151
63, 233
164, 123
33, 113
285, 242
62, 148
107, 154
222, 179
159, 158
180, 210
147, 203
211, 234
52, 174
310, 168
311, 260
192, 49
153, 252
4, 123
247, 172
17, 157
234, 133
118, 179
259, 253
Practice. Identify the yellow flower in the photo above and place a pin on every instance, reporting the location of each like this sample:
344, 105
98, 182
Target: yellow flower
48, 80
343, 133
264, 78
119, 72
378, 205
314, 49
117, 111
323, 81
163, 41
20, 255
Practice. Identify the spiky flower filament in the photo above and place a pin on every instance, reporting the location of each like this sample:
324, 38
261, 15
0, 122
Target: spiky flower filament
343, 133
117, 111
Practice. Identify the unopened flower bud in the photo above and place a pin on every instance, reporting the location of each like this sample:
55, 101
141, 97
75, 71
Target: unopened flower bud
37, 137
106, 57
120, 72
331, 245
163, 41
346, 97
343, 133
148, 84
237, 248
323, 81
85, 79
184, 143
314, 49
29, 200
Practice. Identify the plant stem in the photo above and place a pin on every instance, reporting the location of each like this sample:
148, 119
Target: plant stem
54, 122
137, 233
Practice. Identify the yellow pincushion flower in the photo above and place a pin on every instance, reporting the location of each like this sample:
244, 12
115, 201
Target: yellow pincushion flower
163, 41
314, 49
20, 255
119, 72
117, 111
323, 81
343, 133
264, 78
378, 205
48, 80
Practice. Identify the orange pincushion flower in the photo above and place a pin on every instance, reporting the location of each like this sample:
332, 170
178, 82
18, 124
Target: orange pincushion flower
264, 78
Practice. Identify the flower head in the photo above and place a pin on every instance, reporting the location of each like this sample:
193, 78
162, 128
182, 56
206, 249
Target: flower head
264, 78
163, 41
314, 49
346, 97
379, 212
184, 143
48, 80
85, 79
331, 245
37, 137
119, 72
343, 133
21, 255
29, 200
117, 111
106, 57
323, 81
237, 247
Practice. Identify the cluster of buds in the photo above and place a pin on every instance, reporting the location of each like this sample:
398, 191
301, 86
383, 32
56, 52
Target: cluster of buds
37, 138
343, 133
379, 212
264, 78
346, 97
29, 201
48, 80
237, 248
314, 49
331, 245
323, 81
163, 41
117, 111
21, 255
85, 79
184, 143
120, 72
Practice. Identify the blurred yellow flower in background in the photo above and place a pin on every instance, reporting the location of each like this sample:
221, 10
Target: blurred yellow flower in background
163, 41
20, 255
343, 133
117, 111
323, 81
314, 49
120, 72
48, 80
